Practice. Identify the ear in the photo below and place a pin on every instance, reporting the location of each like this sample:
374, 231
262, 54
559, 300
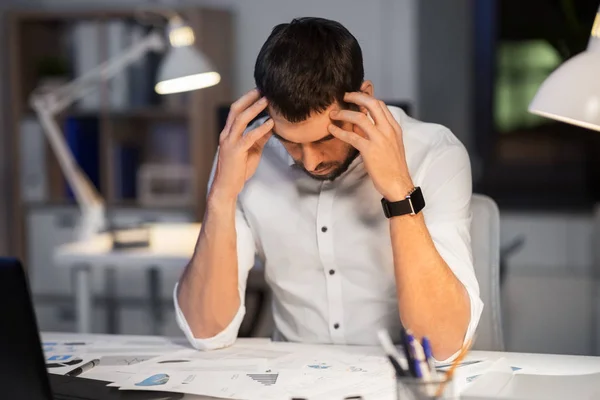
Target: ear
367, 87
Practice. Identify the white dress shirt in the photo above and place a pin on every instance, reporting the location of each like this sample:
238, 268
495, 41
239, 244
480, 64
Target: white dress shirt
326, 246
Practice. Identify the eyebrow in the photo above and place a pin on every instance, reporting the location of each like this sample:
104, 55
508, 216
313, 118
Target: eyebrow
323, 139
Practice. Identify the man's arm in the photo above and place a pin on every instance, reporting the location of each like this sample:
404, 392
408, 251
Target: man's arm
433, 302
208, 290
209, 294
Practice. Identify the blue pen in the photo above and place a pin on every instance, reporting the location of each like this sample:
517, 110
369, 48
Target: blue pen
429, 357
407, 352
416, 362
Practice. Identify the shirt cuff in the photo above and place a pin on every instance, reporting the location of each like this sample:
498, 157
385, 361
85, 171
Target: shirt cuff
476, 309
222, 339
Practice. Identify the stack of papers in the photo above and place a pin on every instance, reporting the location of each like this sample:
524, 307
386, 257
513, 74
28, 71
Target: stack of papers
251, 369
63, 355
266, 371
261, 369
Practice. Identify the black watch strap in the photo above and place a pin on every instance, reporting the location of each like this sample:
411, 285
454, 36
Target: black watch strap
412, 204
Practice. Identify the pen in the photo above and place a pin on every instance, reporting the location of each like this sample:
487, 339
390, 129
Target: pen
399, 371
421, 368
85, 367
398, 361
421, 361
429, 357
406, 348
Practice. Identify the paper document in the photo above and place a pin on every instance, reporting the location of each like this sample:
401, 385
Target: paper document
227, 385
267, 371
502, 381
196, 361
265, 386
113, 353
61, 364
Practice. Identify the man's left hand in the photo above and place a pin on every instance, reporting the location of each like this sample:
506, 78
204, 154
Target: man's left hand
381, 147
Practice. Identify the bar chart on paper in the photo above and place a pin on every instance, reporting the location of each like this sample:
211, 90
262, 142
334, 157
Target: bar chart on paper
265, 379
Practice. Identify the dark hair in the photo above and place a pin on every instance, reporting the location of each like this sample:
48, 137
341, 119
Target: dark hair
307, 65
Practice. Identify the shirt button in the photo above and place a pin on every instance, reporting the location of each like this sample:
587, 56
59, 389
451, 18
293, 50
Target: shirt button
331, 271
324, 229
336, 325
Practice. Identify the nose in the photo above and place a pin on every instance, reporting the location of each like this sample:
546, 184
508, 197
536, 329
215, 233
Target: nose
311, 158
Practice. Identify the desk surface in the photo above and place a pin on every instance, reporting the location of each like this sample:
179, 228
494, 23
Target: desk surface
545, 364
170, 245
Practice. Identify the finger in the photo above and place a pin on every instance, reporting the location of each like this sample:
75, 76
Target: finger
368, 102
390, 118
356, 118
240, 123
388, 114
257, 135
240, 105
260, 143
353, 139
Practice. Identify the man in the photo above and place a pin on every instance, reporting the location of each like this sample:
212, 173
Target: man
303, 190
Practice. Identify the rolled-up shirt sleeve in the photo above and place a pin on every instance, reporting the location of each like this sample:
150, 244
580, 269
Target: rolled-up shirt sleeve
448, 191
246, 250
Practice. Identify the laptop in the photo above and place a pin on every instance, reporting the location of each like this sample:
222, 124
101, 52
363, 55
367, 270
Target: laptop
23, 373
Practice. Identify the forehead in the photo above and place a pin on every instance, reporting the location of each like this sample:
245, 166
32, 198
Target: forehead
312, 129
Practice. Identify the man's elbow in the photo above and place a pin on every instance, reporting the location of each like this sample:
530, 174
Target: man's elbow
447, 349
450, 344
208, 344
453, 340
209, 329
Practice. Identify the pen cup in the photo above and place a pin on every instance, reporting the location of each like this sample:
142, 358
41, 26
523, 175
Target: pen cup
418, 389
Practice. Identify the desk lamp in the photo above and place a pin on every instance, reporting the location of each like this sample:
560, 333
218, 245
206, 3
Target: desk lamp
183, 68
571, 93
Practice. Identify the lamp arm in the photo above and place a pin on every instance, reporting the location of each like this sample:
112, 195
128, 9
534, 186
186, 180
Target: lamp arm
47, 105
64, 96
85, 193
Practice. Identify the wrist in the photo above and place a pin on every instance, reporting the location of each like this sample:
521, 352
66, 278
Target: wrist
220, 199
399, 190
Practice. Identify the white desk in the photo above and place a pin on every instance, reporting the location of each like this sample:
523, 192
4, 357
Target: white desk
171, 246
533, 363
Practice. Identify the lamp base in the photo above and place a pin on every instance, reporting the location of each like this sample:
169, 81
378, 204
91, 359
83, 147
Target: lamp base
131, 238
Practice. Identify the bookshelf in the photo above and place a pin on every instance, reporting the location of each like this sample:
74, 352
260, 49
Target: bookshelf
140, 125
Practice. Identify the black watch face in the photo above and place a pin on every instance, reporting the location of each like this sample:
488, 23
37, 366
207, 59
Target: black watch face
418, 201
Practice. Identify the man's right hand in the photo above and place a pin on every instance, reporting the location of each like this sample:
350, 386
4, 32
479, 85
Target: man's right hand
240, 154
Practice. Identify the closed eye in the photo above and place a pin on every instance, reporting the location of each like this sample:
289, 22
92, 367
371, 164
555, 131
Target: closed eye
280, 138
325, 139
322, 140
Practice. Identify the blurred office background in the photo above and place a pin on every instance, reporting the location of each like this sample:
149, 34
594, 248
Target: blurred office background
472, 65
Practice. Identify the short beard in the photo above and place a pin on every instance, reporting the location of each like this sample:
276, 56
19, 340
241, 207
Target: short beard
343, 167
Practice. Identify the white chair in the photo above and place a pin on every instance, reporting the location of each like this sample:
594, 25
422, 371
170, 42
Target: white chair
485, 242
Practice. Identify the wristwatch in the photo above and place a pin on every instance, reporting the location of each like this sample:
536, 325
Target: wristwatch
412, 204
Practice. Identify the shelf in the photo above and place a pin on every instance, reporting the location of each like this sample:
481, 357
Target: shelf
121, 204
138, 113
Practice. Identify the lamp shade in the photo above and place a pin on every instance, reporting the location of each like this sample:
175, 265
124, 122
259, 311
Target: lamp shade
571, 93
184, 68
